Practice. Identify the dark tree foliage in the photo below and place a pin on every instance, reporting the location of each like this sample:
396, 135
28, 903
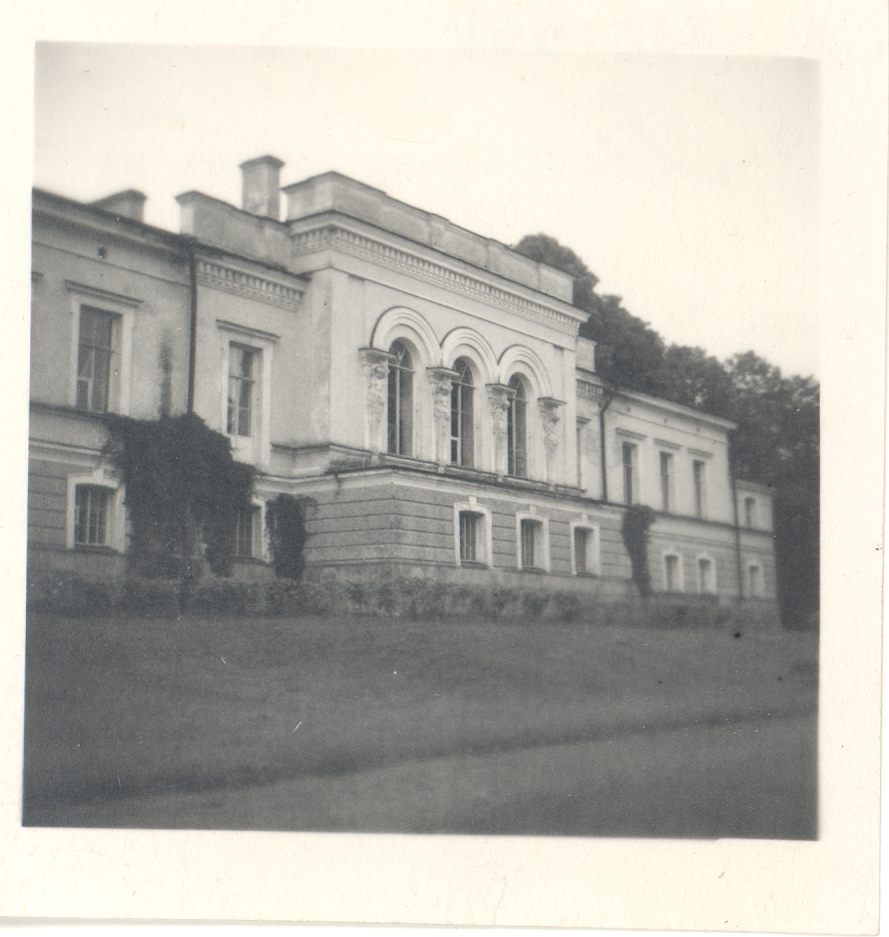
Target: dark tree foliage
636, 524
777, 443
286, 524
183, 492
547, 250
777, 439
692, 377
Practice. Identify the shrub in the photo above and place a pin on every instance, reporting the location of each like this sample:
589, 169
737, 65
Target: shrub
229, 596
151, 596
282, 597
69, 593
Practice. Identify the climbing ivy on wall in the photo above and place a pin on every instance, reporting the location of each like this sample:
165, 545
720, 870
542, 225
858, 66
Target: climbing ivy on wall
637, 522
183, 493
286, 523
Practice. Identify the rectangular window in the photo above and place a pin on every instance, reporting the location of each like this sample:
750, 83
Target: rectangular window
666, 481
530, 532
628, 451
581, 550
754, 578
469, 536
247, 533
94, 359
706, 584
91, 511
242, 375
699, 474
750, 512
671, 573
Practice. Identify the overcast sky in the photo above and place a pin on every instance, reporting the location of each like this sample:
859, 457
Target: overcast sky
689, 185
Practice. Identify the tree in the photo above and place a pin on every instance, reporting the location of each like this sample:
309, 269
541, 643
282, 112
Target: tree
777, 437
695, 379
777, 442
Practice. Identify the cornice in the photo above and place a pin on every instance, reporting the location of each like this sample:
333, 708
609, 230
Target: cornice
230, 279
337, 236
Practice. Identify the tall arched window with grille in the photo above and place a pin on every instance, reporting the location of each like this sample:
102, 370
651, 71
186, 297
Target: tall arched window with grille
516, 429
462, 414
400, 400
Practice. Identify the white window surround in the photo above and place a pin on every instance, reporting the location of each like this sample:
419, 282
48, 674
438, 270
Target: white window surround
706, 588
593, 562
98, 478
755, 584
253, 448
541, 562
702, 459
123, 308
261, 549
486, 539
680, 578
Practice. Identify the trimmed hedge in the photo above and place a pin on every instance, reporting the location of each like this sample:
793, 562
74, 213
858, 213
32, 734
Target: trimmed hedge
386, 597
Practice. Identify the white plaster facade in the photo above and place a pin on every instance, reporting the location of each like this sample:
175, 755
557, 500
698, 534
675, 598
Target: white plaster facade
304, 319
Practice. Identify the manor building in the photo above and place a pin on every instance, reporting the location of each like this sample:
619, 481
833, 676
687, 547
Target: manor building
424, 385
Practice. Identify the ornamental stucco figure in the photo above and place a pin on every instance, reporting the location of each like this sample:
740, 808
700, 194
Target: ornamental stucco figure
550, 416
499, 396
376, 372
440, 381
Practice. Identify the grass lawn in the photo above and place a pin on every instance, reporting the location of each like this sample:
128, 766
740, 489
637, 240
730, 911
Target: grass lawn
224, 723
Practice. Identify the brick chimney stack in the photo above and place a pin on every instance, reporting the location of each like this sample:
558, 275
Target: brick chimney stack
261, 186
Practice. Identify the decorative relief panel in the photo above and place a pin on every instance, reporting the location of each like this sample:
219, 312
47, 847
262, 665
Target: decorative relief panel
440, 381
376, 372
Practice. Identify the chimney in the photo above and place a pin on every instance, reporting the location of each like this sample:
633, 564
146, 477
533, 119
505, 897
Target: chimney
126, 204
261, 186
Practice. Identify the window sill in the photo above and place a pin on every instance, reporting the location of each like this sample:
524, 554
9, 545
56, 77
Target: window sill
94, 548
535, 570
474, 564
586, 575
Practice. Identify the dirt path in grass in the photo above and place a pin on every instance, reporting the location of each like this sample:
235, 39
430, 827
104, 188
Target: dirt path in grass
751, 777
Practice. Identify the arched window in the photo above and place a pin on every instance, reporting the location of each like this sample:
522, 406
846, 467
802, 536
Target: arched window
516, 430
461, 414
400, 400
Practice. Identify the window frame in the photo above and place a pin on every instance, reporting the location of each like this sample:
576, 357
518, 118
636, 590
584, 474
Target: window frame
699, 487
517, 428
402, 419
593, 554
104, 480
233, 419
631, 496
121, 309
254, 448
541, 542
483, 533
750, 511
667, 481
711, 587
257, 535
760, 591
673, 554
462, 420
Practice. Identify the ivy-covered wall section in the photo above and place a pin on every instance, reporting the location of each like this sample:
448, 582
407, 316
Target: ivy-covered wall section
637, 522
183, 494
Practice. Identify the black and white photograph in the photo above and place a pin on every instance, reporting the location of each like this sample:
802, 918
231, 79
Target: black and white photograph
426, 442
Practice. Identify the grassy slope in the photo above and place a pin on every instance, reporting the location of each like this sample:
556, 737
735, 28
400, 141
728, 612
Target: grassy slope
117, 707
